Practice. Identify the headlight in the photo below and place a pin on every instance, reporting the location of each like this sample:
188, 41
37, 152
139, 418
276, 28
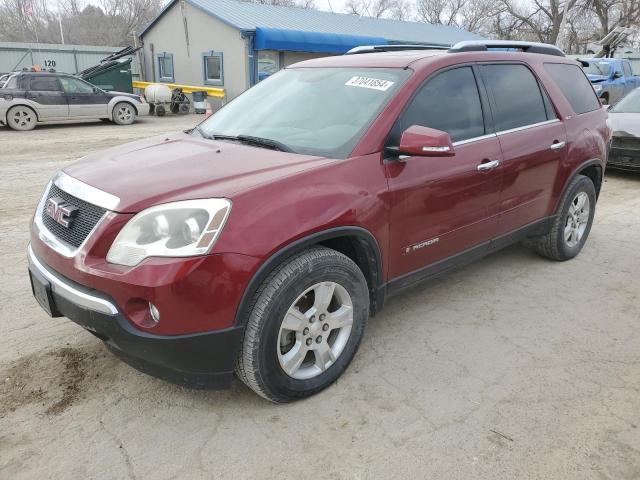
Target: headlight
179, 229
597, 88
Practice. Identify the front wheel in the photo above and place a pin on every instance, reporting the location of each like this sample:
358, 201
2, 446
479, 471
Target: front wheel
124, 113
572, 223
305, 325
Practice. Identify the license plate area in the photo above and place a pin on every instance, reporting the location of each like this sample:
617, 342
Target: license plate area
41, 289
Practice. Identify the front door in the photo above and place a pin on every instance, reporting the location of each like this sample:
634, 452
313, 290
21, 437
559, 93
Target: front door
533, 142
84, 99
50, 101
629, 83
442, 206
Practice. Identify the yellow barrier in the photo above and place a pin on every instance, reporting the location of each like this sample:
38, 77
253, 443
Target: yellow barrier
211, 92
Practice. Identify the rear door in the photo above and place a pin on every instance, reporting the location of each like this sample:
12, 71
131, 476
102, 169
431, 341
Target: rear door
50, 101
441, 206
85, 100
532, 139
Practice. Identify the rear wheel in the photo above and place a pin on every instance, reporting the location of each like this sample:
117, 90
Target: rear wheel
124, 113
22, 118
572, 223
305, 325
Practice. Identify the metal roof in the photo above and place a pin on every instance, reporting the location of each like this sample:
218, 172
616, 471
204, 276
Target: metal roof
58, 47
247, 16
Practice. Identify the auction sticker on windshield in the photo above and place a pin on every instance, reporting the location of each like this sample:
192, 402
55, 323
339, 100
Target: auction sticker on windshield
367, 82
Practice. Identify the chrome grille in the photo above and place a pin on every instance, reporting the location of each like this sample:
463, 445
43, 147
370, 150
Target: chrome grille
83, 223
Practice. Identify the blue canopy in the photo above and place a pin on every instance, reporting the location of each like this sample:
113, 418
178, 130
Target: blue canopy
301, 41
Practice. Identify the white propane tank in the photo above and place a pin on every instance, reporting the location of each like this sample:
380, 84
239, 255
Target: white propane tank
157, 94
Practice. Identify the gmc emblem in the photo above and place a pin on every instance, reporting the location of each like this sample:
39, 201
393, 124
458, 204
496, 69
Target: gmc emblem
60, 211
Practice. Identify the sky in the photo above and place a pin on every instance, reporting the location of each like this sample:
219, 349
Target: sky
329, 5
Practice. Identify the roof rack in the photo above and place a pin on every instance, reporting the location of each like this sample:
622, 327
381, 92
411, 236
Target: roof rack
393, 48
486, 45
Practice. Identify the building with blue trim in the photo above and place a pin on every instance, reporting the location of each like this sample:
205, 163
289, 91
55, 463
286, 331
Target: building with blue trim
235, 44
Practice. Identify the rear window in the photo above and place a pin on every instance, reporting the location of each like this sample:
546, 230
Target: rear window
44, 84
574, 85
517, 96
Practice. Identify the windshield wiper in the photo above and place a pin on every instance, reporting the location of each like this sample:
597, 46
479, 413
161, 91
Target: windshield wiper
202, 133
264, 142
250, 140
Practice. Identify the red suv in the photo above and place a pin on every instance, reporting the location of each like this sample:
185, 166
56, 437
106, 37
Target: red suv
263, 239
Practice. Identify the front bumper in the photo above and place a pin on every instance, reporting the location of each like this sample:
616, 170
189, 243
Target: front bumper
200, 360
143, 109
625, 158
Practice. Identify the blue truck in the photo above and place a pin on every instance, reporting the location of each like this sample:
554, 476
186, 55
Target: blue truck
612, 78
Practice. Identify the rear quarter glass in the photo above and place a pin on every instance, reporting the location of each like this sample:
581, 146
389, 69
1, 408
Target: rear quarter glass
575, 86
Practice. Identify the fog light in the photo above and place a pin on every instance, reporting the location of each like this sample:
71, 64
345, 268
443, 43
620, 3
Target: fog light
155, 314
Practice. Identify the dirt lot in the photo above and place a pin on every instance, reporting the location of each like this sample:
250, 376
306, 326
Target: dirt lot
515, 367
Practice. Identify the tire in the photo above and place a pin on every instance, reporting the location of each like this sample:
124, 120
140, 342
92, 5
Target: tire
605, 99
124, 113
270, 344
160, 110
22, 118
563, 241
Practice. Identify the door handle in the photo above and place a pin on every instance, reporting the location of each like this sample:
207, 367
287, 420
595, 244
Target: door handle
557, 145
483, 167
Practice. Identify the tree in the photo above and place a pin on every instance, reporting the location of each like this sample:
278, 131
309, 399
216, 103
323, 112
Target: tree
394, 9
542, 19
472, 15
110, 22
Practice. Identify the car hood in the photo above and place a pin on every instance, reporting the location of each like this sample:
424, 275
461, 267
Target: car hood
181, 167
625, 124
597, 78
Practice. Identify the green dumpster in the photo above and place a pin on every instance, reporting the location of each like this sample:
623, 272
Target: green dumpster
113, 75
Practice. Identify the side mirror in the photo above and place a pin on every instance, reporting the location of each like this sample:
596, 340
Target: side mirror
617, 74
96, 90
425, 142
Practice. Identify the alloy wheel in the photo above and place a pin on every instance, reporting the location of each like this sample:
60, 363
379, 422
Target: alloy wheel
22, 118
577, 219
315, 330
124, 114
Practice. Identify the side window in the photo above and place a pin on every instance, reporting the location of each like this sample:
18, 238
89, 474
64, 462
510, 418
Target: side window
73, 85
517, 96
212, 64
165, 67
627, 69
44, 84
575, 86
449, 102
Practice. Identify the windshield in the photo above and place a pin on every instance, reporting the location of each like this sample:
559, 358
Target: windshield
629, 104
598, 68
316, 111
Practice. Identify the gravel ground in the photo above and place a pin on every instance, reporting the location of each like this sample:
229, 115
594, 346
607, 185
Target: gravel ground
514, 367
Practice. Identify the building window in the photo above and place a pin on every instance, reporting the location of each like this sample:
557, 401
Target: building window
165, 67
213, 68
267, 63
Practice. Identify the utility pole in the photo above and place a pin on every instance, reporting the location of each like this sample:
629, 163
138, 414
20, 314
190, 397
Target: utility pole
61, 32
